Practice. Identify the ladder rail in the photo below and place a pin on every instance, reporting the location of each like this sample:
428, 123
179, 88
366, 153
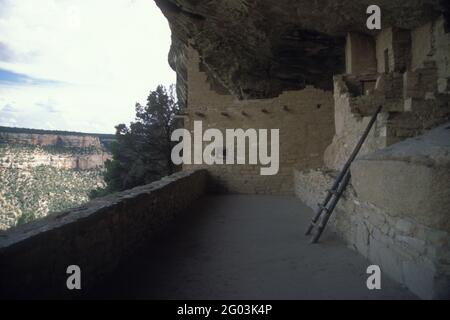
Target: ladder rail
318, 213
360, 143
326, 216
343, 173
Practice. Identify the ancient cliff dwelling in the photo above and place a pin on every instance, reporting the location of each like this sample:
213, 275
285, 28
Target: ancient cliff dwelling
313, 70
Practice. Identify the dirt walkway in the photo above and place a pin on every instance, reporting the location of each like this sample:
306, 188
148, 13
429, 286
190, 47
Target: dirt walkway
246, 247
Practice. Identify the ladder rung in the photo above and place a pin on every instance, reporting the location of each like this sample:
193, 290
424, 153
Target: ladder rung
332, 191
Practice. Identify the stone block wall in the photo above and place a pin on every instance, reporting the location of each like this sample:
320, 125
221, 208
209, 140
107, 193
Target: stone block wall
411, 105
395, 212
304, 118
96, 237
397, 44
413, 93
349, 128
431, 42
360, 54
412, 101
421, 83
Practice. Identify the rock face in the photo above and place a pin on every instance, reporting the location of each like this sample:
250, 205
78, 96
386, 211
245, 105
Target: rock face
35, 158
30, 150
45, 172
260, 48
68, 141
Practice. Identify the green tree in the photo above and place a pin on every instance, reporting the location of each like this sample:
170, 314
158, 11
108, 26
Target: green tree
142, 151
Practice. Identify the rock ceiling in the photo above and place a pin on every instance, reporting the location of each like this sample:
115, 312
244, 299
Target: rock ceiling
258, 48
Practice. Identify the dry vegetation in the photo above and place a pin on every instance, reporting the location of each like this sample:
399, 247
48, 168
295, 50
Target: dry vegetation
28, 191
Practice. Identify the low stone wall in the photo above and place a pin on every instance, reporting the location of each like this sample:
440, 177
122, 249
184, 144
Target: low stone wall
34, 257
410, 253
395, 212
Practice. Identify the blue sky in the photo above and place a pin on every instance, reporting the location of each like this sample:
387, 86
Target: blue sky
12, 78
79, 65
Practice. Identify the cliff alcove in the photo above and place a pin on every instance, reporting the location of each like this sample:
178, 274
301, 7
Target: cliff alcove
260, 48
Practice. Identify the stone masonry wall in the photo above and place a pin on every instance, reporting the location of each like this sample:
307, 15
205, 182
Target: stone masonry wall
397, 43
406, 251
360, 54
395, 212
430, 42
414, 94
349, 128
304, 118
34, 257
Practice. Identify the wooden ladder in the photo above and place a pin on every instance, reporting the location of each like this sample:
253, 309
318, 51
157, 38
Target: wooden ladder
326, 208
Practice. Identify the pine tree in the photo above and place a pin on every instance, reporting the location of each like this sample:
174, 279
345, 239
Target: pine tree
142, 151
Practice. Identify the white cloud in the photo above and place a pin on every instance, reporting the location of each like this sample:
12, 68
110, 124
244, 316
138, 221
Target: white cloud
107, 55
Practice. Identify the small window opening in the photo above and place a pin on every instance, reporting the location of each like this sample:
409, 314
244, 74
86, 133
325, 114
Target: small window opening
386, 61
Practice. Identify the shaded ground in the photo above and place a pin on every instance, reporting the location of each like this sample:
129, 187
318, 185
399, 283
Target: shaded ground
246, 247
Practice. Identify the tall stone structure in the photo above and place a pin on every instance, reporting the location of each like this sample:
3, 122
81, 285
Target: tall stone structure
304, 118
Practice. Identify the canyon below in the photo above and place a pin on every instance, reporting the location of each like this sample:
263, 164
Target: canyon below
43, 172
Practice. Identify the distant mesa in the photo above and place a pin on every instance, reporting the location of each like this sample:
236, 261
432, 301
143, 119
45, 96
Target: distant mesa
65, 139
59, 149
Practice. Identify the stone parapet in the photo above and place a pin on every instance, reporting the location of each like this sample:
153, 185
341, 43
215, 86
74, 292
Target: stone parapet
96, 237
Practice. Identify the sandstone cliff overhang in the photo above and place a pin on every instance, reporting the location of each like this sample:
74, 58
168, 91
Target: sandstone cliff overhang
259, 48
